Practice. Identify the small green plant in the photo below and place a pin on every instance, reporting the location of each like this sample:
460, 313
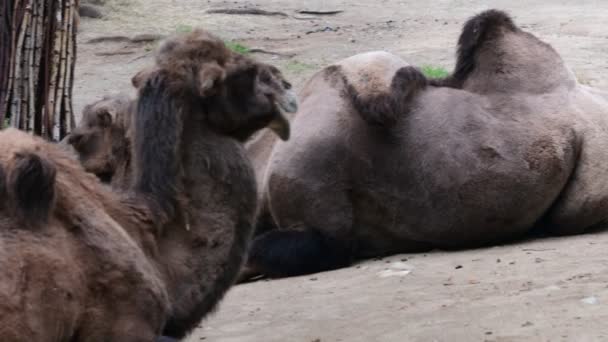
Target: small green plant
237, 47
434, 72
183, 28
150, 46
7, 122
297, 67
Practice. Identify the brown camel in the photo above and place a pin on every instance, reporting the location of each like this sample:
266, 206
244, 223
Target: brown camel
102, 138
82, 262
102, 141
382, 161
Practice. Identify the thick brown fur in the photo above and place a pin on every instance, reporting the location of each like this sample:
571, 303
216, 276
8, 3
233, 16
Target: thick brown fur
31, 188
95, 264
495, 55
102, 140
484, 27
510, 143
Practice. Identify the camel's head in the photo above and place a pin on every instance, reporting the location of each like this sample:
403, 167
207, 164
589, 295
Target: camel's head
238, 95
101, 137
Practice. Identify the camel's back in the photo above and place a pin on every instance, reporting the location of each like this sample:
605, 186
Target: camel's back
43, 288
78, 257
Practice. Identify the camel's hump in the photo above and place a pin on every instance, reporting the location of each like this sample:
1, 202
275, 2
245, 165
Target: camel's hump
371, 73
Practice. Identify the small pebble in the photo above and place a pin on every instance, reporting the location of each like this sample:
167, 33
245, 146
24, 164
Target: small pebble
590, 300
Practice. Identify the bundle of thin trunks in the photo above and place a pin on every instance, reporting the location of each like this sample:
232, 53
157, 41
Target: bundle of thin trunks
37, 60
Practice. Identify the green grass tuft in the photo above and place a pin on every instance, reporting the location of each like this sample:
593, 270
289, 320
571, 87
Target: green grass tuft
434, 72
237, 47
184, 28
298, 67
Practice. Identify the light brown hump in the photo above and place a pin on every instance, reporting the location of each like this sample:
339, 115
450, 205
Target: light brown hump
494, 55
380, 86
28, 182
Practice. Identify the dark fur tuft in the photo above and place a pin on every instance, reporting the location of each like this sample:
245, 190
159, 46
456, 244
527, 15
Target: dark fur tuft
3, 200
158, 126
383, 110
476, 32
31, 183
285, 253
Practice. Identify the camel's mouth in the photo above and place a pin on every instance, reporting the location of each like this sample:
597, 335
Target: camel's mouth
288, 103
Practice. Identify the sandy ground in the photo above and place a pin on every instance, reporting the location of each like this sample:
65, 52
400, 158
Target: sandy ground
543, 290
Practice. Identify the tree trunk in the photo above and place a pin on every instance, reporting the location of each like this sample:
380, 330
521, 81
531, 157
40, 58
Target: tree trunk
37, 60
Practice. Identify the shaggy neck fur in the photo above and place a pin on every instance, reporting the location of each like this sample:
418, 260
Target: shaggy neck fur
203, 185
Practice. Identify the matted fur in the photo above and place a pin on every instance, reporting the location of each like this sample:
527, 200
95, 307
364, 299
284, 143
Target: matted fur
102, 140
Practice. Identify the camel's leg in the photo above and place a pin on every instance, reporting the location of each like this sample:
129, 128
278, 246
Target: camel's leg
283, 253
315, 232
583, 204
166, 339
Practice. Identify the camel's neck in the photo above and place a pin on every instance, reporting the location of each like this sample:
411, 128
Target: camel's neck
203, 249
156, 146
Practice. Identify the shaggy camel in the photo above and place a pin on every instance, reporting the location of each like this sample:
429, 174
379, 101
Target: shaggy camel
102, 138
382, 161
82, 262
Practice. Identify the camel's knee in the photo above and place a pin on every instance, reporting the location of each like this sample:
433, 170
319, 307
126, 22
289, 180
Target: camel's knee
283, 253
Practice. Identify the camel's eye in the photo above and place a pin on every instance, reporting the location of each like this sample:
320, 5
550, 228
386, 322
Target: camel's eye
286, 85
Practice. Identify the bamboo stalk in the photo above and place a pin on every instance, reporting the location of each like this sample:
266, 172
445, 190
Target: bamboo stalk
66, 123
6, 9
55, 71
16, 105
59, 109
26, 97
37, 67
33, 75
6, 103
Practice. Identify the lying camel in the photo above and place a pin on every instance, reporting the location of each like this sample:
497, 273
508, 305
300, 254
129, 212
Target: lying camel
383, 161
82, 262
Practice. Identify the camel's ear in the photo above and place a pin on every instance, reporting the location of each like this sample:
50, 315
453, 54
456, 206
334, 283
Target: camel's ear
210, 77
31, 183
140, 78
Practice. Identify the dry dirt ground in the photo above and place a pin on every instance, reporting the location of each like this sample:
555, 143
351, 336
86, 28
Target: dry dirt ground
542, 290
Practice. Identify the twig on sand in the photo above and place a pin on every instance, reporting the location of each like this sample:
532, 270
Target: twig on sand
113, 39
146, 38
140, 57
243, 11
274, 53
140, 38
320, 12
537, 249
115, 53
